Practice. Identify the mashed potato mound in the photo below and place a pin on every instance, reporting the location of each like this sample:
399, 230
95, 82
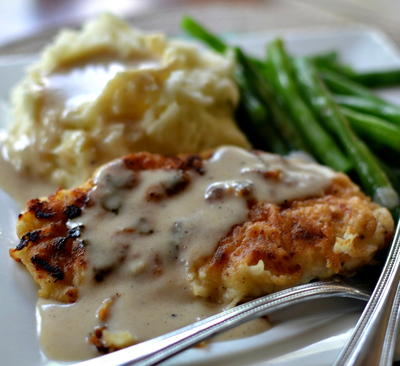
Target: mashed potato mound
108, 90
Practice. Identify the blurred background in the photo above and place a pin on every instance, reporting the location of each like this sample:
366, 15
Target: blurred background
28, 24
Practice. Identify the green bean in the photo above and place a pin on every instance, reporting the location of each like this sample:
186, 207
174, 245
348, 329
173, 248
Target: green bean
254, 120
341, 84
372, 176
199, 32
321, 144
374, 128
196, 30
367, 102
324, 58
330, 61
378, 78
386, 111
371, 79
257, 83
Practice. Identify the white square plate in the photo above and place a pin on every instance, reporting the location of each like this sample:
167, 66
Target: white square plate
310, 334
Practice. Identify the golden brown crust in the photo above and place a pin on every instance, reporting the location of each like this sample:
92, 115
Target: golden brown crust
51, 251
277, 247
292, 243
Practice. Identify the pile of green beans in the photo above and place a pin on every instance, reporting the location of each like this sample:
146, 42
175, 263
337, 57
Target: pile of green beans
321, 106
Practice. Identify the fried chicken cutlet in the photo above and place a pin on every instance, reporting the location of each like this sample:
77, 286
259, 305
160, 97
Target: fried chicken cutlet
263, 224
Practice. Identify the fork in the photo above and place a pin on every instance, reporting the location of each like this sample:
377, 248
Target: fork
374, 338
160, 348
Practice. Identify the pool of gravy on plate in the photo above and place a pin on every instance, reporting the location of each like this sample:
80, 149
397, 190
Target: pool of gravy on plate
143, 233
22, 187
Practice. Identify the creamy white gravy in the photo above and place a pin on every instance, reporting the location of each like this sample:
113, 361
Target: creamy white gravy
22, 187
146, 229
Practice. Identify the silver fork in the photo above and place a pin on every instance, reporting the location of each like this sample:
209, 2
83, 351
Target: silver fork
159, 349
374, 337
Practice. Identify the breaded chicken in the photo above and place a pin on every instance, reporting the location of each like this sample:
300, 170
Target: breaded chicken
279, 244
293, 243
51, 250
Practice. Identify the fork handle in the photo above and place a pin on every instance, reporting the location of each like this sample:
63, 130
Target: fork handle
374, 338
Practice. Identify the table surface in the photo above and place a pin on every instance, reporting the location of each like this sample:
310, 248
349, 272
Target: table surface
28, 24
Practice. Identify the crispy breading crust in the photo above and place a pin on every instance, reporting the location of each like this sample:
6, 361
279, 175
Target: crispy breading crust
277, 247
51, 250
284, 245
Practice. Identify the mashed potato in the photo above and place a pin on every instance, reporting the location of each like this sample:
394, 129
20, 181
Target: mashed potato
108, 90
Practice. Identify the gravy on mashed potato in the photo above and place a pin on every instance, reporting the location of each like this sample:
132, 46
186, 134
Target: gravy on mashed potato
109, 90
